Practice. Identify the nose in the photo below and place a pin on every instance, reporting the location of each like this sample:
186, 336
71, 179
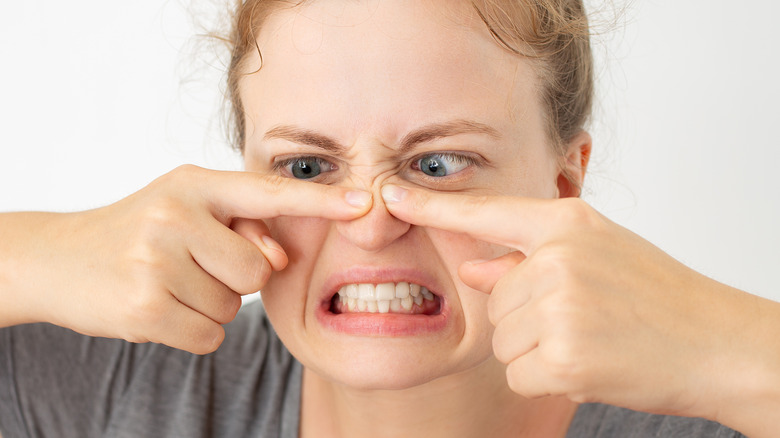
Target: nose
376, 229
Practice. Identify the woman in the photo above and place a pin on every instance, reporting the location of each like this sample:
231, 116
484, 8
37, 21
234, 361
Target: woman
401, 218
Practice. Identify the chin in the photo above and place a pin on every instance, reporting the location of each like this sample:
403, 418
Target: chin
390, 364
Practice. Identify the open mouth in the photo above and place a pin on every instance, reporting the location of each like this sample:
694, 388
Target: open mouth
396, 298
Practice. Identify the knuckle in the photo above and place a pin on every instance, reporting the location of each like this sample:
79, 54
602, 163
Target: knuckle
260, 273
555, 261
160, 217
552, 307
494, 310
476, 203
499, 346
496, 307
274, 184
503, 351
516, 380
574, 212
255, 272
186, 170
141, 258
229, 308
145, 308
233, 306
561, 364
136, 338
208, 340
145, 260
581, 397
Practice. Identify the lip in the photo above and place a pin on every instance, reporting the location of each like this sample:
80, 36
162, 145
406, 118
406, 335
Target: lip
381, 324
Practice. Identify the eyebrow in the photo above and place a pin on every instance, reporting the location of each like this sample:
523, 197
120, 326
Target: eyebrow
424, 134
303, 136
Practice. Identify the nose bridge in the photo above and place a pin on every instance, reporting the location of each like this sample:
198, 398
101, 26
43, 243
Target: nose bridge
376, 229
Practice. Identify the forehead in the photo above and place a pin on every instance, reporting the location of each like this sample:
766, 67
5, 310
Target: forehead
386, 66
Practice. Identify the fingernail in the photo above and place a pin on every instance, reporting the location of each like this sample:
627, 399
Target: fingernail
477, 262
393, 194
358, 198
271, 243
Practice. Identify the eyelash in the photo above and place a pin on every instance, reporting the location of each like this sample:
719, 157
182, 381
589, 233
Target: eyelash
459, 158
284, 163
456, 158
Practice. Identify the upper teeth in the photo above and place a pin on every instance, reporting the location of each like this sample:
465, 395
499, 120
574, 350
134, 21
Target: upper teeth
366, 297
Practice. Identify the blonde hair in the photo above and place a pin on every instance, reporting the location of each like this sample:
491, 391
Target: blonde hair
552, 33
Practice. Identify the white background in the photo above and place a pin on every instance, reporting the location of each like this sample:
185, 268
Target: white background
98, 97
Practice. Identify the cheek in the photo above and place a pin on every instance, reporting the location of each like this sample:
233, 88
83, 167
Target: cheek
455, 249
302, 238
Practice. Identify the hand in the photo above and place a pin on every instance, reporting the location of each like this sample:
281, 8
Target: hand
163, 264
586, 309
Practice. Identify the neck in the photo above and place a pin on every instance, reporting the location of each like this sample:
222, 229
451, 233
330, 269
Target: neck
477, 402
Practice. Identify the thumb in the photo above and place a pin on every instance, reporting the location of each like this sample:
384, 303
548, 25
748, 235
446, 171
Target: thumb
482, 275
257, 232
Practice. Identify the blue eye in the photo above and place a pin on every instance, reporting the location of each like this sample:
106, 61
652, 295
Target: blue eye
306, 167
439, 165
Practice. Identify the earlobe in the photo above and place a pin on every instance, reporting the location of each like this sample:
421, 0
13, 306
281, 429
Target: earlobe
574, 165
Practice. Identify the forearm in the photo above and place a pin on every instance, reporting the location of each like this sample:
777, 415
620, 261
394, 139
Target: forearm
748, 372
27, 252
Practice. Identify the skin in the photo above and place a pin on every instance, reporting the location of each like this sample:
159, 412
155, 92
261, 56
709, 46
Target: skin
549, 300
162, 264
425, 65
575, 299
373, 115
572, 311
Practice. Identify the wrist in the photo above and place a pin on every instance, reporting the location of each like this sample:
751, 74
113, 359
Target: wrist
746, 373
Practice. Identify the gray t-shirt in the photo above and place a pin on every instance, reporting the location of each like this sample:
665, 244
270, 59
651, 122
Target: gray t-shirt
57, 383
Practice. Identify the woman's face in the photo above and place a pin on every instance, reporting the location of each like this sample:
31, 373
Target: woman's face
358, 94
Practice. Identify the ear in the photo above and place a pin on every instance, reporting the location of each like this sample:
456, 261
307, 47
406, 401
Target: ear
574, 164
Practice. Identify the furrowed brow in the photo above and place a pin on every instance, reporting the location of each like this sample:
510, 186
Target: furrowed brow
304, 137
425, 134
446, 129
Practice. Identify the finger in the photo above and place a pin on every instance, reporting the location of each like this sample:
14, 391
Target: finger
257, 232
483, 275
504, 220
228, 257
511, 292
183, 328
256, 196
206, 295
516, 335
528, 377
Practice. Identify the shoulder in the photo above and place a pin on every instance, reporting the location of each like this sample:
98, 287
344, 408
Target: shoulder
250, 354
239, 390
603, 421
251, 343
90, 386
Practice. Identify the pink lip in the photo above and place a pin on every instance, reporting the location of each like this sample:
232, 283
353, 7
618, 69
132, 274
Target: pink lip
380, 324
